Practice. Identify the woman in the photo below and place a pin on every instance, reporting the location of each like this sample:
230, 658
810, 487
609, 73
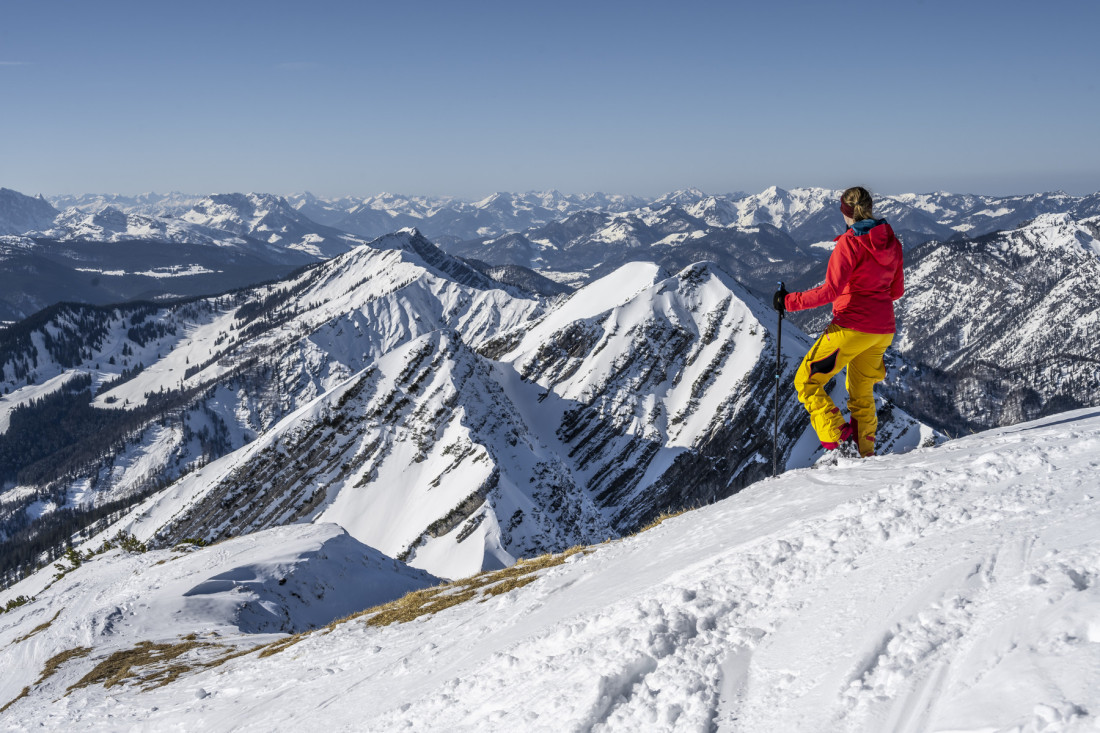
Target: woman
862, 282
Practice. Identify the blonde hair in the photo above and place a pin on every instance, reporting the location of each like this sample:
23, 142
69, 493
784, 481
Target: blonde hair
859, 198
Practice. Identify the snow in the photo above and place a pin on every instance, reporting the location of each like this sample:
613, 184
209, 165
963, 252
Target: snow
948, 589
284, 580
174, 271
595, 298
572, 279
30, 393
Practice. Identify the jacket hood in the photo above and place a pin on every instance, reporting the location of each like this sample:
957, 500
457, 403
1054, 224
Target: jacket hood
877, 237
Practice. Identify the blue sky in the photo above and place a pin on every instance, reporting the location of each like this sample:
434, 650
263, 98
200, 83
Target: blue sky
469, 98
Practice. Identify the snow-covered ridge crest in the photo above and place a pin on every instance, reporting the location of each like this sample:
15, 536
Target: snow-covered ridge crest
420, 455
270, 219
110, 224
376, 298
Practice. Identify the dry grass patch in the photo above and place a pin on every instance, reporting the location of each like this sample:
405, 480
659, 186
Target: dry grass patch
150, 664
666, 514
277, 646
26, 691
126, 663
509, 585
482, 586
54, 662
38, 629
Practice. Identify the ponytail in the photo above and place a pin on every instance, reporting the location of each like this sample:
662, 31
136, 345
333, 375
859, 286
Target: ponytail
859, 199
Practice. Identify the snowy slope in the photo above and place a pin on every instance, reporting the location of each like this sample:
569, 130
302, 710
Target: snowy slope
20, 213
949, 589
1011, 317
421, 456
183, 384
269, 219
110, 224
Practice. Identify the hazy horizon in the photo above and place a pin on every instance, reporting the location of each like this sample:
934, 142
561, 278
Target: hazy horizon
474, 199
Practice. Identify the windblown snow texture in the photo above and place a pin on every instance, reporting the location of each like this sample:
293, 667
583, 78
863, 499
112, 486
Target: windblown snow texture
951, 588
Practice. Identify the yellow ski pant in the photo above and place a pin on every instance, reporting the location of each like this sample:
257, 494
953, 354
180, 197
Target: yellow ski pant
861, 353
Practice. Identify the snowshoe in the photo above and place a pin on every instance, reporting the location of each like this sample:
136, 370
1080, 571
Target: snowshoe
847, 448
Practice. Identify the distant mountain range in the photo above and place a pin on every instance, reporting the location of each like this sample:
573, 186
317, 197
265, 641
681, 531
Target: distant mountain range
111, 254
437, 415
110, 248
808, 215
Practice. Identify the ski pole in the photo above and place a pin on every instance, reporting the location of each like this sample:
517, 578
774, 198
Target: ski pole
778, 369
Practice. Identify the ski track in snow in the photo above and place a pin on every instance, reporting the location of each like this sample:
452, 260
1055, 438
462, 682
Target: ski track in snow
948, 589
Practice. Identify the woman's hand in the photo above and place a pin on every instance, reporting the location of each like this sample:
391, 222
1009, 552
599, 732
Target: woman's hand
779, 299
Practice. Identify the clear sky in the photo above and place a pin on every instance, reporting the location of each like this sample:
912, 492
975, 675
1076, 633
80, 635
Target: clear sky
466, 98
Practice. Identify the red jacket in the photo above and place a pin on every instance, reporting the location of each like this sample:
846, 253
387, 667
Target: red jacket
863, 280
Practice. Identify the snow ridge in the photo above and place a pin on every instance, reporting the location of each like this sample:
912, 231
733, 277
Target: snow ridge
751, 614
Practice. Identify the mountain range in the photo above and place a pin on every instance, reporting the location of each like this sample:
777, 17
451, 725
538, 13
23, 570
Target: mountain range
1005, 325
108, 254
437, 415
553, 415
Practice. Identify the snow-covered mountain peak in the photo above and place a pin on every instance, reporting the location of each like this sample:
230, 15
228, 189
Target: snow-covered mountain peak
595, 298
109, 216
408, 239
774, 193
243, 212
1059, 219
787, 210
20, 214
497, 198
683, 197
431, 257
716, 211
271, 219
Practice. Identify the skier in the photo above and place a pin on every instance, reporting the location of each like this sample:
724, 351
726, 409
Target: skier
863, 280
